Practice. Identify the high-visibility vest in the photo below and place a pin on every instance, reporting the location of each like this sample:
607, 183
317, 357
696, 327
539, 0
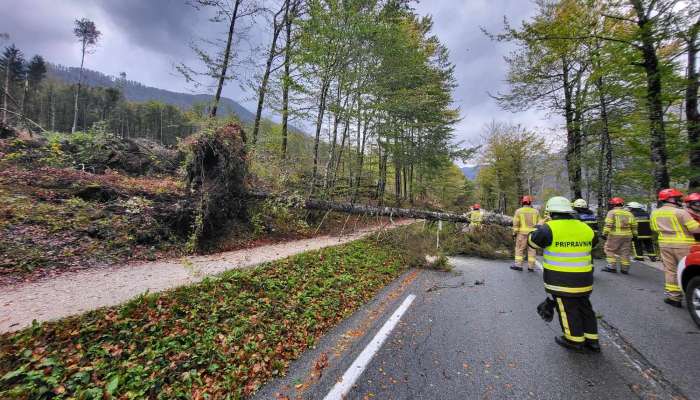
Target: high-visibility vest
476, 217
568, 265
674, 225
525, 219
620, 222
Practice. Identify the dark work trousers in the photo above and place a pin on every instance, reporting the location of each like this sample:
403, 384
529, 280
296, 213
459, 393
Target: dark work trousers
577, 318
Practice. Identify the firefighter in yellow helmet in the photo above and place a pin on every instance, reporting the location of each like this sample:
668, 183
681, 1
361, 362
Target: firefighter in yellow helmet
675, 227
568, 273
620, 228
524, 221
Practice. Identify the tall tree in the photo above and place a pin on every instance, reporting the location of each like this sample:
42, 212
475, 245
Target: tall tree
87, 34
218, 65
277, 24
692, 39
12, 67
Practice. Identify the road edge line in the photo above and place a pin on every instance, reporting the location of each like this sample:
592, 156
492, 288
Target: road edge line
342, 387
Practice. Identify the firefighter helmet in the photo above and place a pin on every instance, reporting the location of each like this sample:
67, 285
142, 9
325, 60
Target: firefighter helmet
580, 203
635, 205
668, 194
477, 206
559, 204
616, 201
692, 197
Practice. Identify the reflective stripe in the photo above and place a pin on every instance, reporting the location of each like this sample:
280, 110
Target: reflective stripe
532, 244
556, 254
568, 289
587, 268
672, 288
568, 263
564, 320
591, 336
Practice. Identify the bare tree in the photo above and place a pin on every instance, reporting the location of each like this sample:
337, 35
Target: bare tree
88, 35
217, 66
277, 24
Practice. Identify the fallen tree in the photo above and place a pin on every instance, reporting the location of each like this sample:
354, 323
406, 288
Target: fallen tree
315, 204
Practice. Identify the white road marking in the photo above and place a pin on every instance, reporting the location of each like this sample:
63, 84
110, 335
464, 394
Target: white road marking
342, 387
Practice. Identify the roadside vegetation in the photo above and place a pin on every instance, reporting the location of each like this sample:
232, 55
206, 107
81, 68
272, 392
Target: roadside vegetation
223, 337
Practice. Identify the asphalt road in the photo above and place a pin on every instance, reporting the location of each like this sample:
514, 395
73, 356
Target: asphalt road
461, 340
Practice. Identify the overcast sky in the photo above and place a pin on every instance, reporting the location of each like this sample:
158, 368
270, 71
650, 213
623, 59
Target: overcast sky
145, 38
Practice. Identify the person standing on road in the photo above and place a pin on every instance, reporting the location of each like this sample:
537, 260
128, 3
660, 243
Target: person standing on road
643, 243
568, 273
675, 227
620, 228
585, 214
524, 221
476, 216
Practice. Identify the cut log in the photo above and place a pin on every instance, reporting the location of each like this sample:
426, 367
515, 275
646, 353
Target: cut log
314, 204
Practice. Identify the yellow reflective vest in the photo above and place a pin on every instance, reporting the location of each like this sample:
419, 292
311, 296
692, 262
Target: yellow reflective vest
568, 265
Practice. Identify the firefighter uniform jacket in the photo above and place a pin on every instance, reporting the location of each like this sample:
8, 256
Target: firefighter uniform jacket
675, 226
568, 265
525, 219
476, 217
620, 222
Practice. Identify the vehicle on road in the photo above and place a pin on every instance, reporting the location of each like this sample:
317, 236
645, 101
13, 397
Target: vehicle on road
689, 281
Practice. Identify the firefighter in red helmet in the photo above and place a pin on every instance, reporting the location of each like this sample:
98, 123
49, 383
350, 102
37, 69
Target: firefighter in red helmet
620, 228
524, 221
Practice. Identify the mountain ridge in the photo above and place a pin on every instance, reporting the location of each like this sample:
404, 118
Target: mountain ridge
138, 92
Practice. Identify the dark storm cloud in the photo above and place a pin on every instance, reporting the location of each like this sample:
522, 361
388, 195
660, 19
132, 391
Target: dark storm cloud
144, 38
163, 26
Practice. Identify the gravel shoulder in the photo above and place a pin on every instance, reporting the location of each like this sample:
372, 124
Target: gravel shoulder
82, 291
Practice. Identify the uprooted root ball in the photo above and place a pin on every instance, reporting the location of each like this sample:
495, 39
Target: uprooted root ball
217, 176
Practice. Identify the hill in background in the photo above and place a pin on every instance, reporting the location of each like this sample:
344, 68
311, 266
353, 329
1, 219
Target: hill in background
137, 92
470, 172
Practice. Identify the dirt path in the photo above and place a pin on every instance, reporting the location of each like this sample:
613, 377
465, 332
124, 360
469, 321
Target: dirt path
82, 291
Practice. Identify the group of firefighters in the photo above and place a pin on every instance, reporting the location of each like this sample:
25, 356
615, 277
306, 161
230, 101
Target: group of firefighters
566, 234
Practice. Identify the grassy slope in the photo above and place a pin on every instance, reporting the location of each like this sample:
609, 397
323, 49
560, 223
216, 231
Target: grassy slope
223, 337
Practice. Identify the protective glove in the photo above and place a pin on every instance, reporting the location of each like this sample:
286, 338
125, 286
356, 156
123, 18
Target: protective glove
546, 309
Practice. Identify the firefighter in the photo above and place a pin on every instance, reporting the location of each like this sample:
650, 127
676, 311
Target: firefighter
585, 214
476, 216
524, 221
675, 227
620, 228
568, 273
692, 205
643, 243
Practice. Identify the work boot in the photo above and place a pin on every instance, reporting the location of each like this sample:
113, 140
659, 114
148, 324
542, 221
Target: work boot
516, 267
567, 344
592, 345
624, 271
610, 269
673, 302
530, 269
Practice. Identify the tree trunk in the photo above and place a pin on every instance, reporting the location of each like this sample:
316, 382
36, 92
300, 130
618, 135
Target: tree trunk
227, 56
6, 91
605, 160
654, 98
319, 122
573, 140
276, 29
691, 109
77, 90
287, 76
